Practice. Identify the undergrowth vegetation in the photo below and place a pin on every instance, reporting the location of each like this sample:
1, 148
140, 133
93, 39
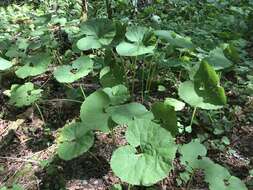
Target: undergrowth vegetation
174, 78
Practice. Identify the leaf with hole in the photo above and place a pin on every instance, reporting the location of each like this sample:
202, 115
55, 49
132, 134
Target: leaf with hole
34, 65
136, 46
99, 33
148, 157
24, 95
81, 67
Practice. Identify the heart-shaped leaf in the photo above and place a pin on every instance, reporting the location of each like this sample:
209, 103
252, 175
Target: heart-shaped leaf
70, 73
23, 95
99, 33
74, 139
204, 91
136, 46
35, 65
178, 105
4, 64
218, 60
118, 94
123, 114
93, 111
166, 115
148, 158
174, 39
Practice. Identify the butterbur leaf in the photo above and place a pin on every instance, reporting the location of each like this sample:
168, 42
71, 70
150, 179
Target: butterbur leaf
136, 33
4, 64
117, 94
99, 33
24, 95
148, 157
74, 140
217, 59
123, 114
178, 105
136, 46
204, 91
207, 85
174, 39
218, 177
187, 93
69, 73
193, 157
190, 153
93, 111
166, 115
35, 65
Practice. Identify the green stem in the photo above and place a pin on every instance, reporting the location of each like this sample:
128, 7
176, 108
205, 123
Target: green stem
134, 74
69, 100
142, 83
40, 112
129, 187
193, 115
81, 87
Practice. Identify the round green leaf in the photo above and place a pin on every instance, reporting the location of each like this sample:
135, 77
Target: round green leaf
136, 33
74, 139
99, 33
166, 115
187, 93
70, 73
178, 105
190, 153
24, 95
133, 49
148, 158
204, 91
93, 111
218, 60
118, 94
89, 42
174, 39
35, 65
123, 114
4, 64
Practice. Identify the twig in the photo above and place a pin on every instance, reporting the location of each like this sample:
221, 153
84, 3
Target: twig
20, 160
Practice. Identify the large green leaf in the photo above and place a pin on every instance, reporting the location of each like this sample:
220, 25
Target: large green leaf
136, 46
23, 95
218, 177
190, 153
174, 39
93, 111
74, 139
207, 85
35, 65
218, 60
123, 114
118, 94
70, 73
178, 105
148, 158
133, 49
99, 33
166, 115
4, 64
204, 91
